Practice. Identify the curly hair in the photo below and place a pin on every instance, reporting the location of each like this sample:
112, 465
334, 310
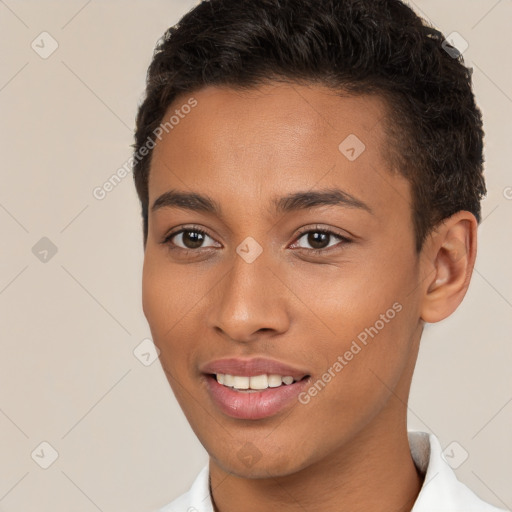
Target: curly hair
383, 47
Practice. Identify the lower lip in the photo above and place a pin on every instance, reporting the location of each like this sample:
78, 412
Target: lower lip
253, 406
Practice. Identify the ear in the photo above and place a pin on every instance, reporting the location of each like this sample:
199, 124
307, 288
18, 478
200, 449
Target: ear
448, 260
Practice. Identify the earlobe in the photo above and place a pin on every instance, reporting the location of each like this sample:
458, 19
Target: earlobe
451, 255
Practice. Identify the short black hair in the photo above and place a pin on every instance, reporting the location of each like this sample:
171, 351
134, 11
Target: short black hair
357, 47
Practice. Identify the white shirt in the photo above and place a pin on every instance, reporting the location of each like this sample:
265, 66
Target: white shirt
440, 492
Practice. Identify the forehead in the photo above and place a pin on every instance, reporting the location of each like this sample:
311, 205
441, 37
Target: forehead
251, 145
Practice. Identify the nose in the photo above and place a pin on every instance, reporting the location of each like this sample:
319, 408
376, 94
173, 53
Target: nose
250, 302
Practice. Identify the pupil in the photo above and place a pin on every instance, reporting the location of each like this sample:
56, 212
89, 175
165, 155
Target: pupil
317, 240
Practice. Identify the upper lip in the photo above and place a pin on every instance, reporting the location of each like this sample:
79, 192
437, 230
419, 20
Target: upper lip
252, 367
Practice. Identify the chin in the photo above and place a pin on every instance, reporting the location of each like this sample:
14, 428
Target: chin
260, 470
246, 462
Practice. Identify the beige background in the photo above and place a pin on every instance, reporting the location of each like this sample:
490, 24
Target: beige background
68, 374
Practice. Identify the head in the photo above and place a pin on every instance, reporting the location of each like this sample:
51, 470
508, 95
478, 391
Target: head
273, 121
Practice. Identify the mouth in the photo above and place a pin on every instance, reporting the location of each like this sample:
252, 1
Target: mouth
254, 397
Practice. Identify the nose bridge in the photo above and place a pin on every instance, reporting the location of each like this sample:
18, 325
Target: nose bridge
249, 298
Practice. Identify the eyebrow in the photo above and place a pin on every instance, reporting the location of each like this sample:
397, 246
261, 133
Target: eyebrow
291, 202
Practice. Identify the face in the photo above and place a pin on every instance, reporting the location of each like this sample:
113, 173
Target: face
299, 261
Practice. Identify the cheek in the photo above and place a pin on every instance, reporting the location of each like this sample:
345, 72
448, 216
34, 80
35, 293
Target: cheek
166, 298
170, 300
163, 305
154, 299
371, 321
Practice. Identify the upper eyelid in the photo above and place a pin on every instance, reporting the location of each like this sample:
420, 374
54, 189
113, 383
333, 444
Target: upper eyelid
180, 230
342, 238
321, 229
302, 232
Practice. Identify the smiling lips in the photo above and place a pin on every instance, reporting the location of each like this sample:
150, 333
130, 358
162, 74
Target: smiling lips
253, 388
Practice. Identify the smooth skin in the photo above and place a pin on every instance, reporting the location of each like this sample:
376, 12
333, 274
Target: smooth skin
347, 449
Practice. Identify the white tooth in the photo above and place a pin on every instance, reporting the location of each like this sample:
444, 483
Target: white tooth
274, 381
229, 380
220, 378
287, 380
241, 382
258, 382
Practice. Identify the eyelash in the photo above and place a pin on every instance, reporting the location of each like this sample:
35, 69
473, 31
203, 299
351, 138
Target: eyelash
196, 229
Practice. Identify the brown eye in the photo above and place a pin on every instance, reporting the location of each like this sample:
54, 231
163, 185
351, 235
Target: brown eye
317, 239
320, 239
191, 239
188, 239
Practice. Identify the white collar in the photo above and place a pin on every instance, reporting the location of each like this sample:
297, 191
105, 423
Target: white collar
440, 492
